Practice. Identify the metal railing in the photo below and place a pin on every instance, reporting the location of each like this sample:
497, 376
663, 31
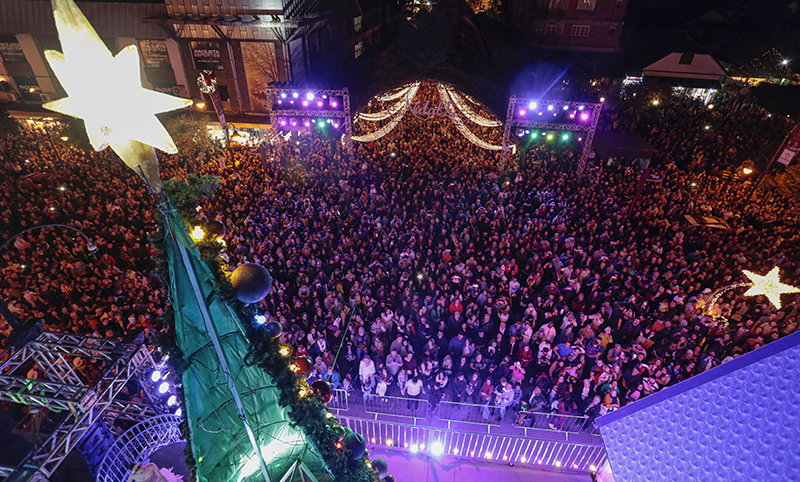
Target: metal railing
551, 421
340, 401
500, 448
470, 413
137, 444
398, 406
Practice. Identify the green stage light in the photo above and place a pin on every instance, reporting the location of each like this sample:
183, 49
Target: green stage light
534, 135
565, 137
549, 137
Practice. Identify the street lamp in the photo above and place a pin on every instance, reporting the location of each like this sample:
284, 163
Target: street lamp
23, 334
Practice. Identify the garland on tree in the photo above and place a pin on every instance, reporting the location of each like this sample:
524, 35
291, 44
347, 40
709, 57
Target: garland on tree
306, 410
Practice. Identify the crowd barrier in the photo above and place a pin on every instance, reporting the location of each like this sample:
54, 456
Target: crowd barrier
469, 412
398, 406
551, 421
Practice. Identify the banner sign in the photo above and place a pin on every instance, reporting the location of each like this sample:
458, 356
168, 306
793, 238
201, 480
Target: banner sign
206, 56
261, 68
792, 147
218, 108
154, 53
11, 50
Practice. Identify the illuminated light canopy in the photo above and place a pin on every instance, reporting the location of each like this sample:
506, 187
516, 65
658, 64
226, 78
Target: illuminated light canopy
106, 91
468, 112
769, 286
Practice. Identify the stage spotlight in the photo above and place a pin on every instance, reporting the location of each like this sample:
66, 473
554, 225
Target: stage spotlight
334, 103
488, 455
565, 137
163, 388
522, 112
295, 95
549, 137
455, 451
283, 95
532, 105
437, 448
172, 400
414, 448
535, 135
155, 376
550, 107
581, 107
566, 107
305, 103
179, 412
584, 117
310, 96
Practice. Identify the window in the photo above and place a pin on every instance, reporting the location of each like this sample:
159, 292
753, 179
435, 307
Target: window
552, 4
539, 27
553, 29
357, 24
359, 49
587, 4
580, 31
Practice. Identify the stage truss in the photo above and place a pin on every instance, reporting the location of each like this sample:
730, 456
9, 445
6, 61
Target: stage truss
343, 114
59, 388
589, 128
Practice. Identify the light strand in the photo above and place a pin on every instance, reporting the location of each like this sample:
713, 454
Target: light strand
460, 125
384, 114
469, 113
393, 123
397, 95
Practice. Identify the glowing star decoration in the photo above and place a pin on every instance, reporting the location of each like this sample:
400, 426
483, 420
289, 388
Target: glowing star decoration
107, 93
769, 286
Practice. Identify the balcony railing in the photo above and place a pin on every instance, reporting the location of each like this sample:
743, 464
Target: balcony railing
499, 448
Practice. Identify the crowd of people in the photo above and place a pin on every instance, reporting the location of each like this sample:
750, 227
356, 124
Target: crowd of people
419, 270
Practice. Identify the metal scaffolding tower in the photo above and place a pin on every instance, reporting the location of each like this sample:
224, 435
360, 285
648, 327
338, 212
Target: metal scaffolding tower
58, 387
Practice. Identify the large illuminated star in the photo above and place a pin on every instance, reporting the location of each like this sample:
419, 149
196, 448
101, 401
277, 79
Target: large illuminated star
106, 91
769, 286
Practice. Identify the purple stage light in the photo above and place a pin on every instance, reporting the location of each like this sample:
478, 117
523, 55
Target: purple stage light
280, 101
334, 103
295, 95
540, 112
335, 124
319, 103
584, 117
283, 122
305, 103
310, 96
580, 107
550, 107
283, 95
522, 112
566, 107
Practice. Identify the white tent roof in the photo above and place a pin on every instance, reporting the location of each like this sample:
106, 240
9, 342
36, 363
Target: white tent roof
686, 66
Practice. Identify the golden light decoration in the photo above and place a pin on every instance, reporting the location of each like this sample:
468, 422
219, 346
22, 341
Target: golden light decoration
285, 351
106, 92
198, 233
769, 286
328, 415
294, 367
303, 392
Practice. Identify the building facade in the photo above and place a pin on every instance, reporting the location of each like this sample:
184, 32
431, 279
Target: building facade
586, 25
249, 44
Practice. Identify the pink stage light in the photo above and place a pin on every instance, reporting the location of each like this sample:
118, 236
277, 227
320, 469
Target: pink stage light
522, 112
584, 117
283, 122
308, 124
334, 103
305, 103
319, 103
